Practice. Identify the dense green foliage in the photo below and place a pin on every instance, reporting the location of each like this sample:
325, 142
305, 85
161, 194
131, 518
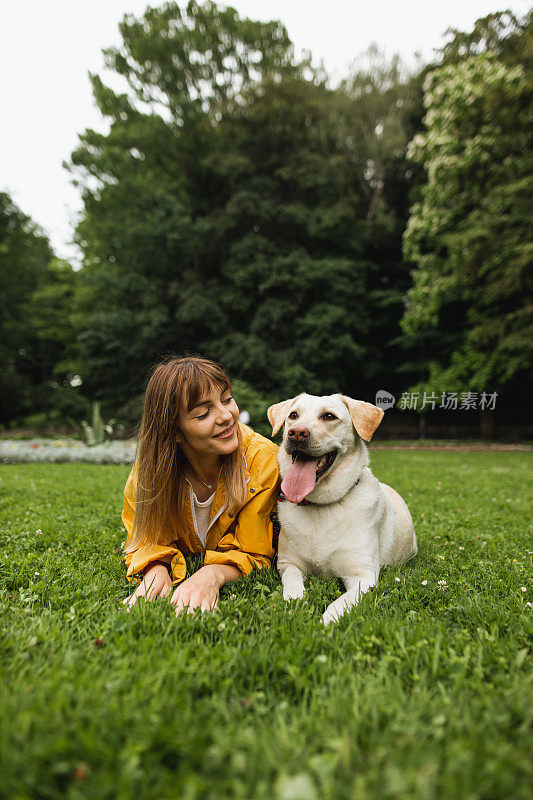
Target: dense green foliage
308, 237
471, 235
35, 331
422, 692
259, 224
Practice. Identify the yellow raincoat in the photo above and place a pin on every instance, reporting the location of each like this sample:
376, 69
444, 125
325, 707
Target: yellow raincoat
243, 539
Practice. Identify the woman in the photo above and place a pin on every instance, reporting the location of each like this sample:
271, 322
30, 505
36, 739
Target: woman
201, 481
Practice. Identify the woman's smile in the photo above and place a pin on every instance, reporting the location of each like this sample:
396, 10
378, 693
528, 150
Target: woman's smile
226, 434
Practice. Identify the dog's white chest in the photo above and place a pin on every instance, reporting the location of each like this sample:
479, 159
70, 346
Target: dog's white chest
325, 540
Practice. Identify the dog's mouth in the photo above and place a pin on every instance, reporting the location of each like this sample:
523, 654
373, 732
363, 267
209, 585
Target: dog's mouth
322, 464
306, 469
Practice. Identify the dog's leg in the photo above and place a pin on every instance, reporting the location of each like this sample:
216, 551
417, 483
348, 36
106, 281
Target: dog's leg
356, 585
293, 581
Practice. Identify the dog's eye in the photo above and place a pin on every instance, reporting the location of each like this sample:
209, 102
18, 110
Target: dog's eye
293, 415
328, 417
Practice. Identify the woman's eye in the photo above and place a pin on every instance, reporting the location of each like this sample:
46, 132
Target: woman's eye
228, 399
203, 416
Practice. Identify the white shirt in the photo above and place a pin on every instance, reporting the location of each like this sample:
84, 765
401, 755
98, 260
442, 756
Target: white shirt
201, 515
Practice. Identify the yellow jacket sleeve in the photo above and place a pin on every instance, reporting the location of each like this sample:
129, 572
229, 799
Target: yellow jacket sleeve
249, 545
143, 556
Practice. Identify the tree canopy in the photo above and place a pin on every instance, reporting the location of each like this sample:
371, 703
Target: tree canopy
251, 221
371, 235
470, 234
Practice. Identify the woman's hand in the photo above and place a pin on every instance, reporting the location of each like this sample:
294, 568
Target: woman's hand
156, 581
199, 591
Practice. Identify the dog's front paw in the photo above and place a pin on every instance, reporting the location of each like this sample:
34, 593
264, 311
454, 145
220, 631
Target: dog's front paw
293, 592
335, 611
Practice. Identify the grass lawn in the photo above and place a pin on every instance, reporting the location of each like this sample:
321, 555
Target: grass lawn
422, 692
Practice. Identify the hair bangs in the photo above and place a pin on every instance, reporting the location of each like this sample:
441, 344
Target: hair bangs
201, 381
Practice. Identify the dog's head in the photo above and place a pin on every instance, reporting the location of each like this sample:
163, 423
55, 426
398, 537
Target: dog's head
319, 434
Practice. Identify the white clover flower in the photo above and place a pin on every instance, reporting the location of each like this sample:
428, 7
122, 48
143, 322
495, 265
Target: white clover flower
442, 583
39, 532
523, 588
461, 548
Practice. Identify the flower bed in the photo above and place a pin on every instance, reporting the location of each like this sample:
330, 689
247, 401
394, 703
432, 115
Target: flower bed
65, 451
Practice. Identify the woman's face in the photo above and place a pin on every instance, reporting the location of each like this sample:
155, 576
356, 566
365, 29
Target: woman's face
210, 427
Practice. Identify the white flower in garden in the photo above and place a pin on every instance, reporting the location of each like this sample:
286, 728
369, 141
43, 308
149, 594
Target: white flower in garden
523, 589
397, 580
442, 583
424, 583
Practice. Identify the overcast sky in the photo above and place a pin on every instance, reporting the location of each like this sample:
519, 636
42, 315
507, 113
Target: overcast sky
47, 48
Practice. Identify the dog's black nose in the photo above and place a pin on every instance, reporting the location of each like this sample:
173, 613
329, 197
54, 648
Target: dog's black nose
298, 433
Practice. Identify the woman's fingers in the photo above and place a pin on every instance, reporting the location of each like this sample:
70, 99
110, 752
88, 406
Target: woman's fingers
180, 599
131, 601
206, 606
152, 592
180, 605
175, 595
151, 588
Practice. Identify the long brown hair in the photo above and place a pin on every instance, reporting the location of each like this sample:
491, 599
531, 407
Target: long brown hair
161, 487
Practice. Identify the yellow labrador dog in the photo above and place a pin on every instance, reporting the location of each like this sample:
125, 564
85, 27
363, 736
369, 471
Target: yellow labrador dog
336, 518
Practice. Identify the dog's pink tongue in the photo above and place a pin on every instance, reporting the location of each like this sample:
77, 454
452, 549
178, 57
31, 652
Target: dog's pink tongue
300, 480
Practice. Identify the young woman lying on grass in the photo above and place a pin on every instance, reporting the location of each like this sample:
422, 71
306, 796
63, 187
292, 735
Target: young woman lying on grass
201, 481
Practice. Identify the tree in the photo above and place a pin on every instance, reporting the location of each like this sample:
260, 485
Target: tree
149, 256
35, 303
469, 236
235, 212
24, 256
288, 231
384, 109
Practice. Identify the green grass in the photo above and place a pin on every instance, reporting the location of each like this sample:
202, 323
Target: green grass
422, 692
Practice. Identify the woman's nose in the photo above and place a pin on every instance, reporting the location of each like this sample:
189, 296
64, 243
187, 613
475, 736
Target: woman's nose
224, 413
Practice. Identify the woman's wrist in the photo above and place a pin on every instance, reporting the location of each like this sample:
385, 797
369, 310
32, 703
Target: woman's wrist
221, 573
153, 564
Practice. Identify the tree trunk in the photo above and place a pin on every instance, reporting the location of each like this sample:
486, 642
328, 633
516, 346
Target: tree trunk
486, 421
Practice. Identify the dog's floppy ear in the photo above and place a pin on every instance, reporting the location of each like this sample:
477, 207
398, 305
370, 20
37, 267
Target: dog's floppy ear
276, 414
365, 416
